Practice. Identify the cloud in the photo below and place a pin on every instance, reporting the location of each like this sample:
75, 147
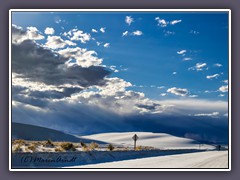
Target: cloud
19, 34
225, 81
195, 106
187, 59
174, 73
98, 43
78, 35
137, 33
213, 114
94, 31
83, 57
193, 96
35, 63
102, 29
164, 23
168, 33
134, 33
161, 22
49, 31
213, 76
129, 20
178, 91
56, 42
199, 67
125, 33
182, 51
163, 94
218, 65
194, 32
223, 88
175, 22
57, 19
106, 45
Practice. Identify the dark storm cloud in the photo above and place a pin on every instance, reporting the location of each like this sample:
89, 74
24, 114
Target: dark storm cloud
42, 65
148, 107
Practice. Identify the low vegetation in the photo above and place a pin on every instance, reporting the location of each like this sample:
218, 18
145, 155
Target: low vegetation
20, 145
68, 146
110, 147
49, 144
93, 146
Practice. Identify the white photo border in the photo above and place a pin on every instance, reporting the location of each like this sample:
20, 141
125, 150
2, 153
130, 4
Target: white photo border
121, 10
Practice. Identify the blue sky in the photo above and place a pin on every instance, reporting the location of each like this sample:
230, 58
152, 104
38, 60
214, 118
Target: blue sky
151, 58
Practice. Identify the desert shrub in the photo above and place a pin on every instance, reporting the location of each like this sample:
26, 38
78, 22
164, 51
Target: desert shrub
58, 149
93, 145
83, 144
139, 148
32, 147
19, 141
18, 148
68, 146
110, 147
49, 143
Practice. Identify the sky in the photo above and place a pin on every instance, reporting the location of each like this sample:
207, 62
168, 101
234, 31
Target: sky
88, 72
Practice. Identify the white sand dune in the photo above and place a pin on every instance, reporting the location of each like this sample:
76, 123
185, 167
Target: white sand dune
208, 159
157, 140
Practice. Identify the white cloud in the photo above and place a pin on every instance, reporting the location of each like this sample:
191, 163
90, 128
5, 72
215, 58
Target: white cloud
83, 57
212, 76
225, 81
194, 32
98, 43
58, 20
134, 33
195, 106
182, 51
178, 91
161, 22
78, 35
187, 59
174, 73
175, 22
49, 31
137, 33
94, 31
125, 33
106, 45
19, 35
163, 94
218, 65
129, 20
193, 96
221, 95
199, 67
164, 23
213, 114
102, 29
56, 42
168, 33
161, 87
223, 88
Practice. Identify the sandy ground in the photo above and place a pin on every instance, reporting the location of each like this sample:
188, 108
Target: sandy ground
209, 159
